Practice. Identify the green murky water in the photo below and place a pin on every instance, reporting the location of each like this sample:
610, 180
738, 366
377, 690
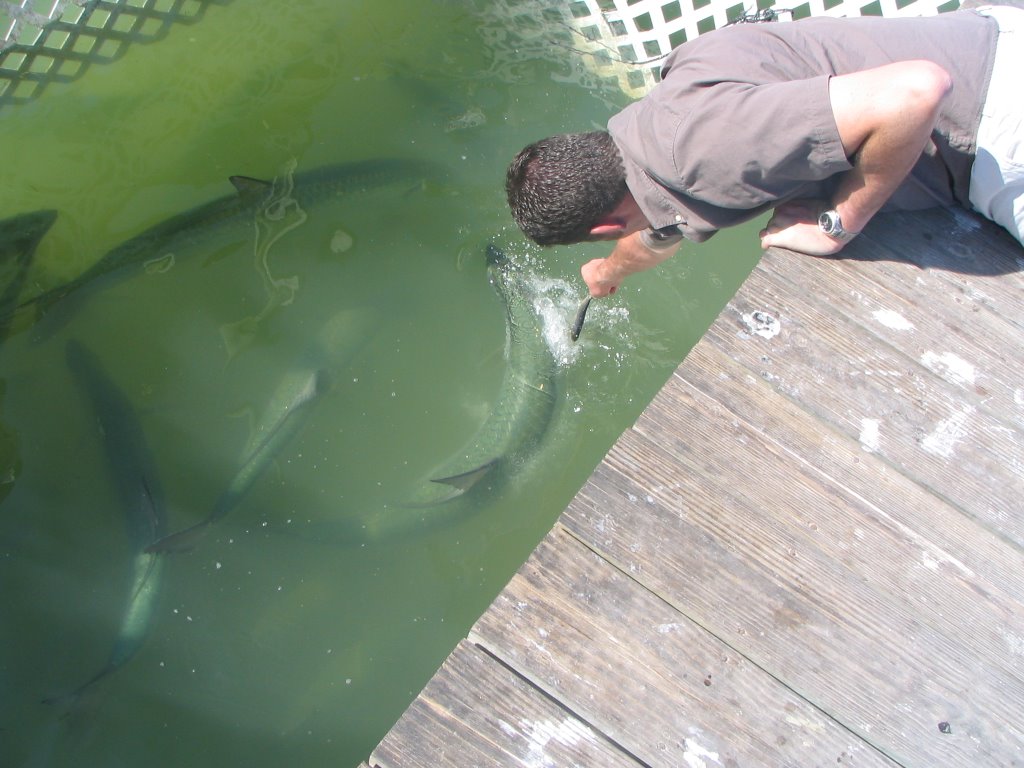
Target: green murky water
293, 634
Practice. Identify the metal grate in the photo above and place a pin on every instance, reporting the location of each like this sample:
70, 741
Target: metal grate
625, 40
49, 41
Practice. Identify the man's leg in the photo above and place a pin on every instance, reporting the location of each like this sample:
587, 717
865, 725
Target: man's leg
997, 179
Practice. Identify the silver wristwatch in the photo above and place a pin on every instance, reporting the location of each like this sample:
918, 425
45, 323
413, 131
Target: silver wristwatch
832, 225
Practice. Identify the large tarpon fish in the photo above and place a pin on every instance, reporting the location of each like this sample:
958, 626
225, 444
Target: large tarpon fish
134, 474
509, 437
251, 197
525, 402
285, 414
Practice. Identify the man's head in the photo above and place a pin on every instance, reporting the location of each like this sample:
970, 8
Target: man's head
561, 187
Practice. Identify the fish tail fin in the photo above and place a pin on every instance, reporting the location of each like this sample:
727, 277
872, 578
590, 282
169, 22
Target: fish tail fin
187, 538
179, 541
70, 702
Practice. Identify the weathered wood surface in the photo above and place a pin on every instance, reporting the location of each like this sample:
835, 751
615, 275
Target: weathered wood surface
810, 583
646, 673
476, 712
809, 549
842, 372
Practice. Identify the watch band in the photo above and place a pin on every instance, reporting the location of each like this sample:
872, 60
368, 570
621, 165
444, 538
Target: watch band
832, 225
661, 239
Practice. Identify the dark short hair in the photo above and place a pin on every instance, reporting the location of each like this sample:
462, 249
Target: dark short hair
560, 187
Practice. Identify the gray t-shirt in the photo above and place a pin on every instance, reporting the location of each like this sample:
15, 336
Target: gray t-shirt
741, 119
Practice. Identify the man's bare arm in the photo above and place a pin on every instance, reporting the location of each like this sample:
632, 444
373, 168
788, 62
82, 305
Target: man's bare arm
884, 116
630, 255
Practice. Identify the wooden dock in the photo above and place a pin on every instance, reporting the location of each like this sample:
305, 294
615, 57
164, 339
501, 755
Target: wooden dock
808, 551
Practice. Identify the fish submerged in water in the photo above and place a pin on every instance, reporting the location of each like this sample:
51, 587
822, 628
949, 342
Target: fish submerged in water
251, 198
581, 315
510, 435
525, 402
133, 471
286, 413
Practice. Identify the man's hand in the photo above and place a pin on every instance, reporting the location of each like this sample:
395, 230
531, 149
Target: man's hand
630, 255
794, 225
600, 279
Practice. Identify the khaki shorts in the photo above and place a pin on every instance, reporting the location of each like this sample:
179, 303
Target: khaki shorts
997, 178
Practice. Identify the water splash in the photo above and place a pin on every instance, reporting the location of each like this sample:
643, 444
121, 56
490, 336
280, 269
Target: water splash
608, 326
556, 302
608, 329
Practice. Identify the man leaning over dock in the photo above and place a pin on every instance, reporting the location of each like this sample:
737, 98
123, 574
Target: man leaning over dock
823, 120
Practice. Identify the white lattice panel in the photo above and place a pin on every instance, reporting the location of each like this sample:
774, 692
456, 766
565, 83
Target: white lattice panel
628, 39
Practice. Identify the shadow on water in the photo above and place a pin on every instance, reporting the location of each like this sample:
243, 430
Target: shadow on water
19, 238
90, 32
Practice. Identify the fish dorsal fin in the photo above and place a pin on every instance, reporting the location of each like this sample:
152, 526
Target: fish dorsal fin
248, 187
445, 489
466, 480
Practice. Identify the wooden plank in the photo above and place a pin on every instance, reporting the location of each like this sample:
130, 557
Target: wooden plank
725, 533
475, 711
978, 262
936, 534
918, 422
900, 560
913, 312
645, 674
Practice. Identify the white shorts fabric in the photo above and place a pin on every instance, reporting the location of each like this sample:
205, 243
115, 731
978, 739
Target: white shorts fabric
997, 177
